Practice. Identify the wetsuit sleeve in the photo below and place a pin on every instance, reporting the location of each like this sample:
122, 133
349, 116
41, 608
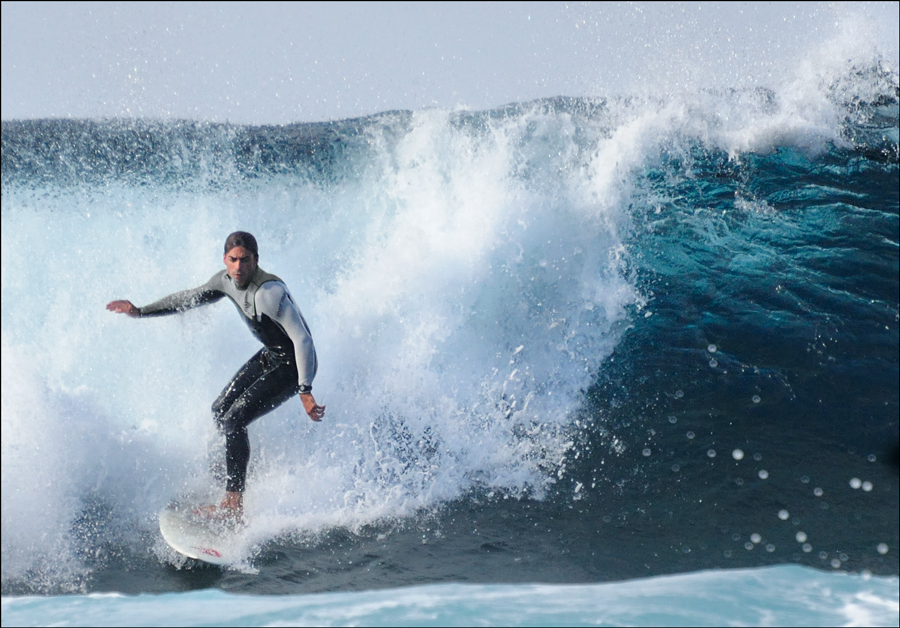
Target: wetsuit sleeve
186, 299
274, 300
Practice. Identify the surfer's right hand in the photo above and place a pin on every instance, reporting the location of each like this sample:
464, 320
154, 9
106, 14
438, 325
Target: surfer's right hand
124, 307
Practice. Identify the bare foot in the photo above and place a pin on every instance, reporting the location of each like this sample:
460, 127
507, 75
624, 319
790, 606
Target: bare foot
230, 511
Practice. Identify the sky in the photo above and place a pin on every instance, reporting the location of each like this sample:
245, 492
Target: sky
277, 63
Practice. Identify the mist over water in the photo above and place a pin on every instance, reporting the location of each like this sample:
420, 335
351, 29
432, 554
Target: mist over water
544, 333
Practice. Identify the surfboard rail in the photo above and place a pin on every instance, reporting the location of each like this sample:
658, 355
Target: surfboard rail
195, 535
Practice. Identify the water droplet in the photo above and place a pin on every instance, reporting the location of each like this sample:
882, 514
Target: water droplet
735, 537
756, 537
711, 453
801, 537
646, 453
882, 548
770, 548
737, 454
818, 492
783, 515
756, 399
714, 363
676, 468
727, 553
867, 486
763, 474
807, 548
748, 545
844, 558
712, 348
757, 457
872, 458
823, 555
855, 482
835, 563
673, 420
690, 435
804, 479
679, 394
739, 481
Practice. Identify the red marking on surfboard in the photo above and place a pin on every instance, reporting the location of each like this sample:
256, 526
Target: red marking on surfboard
208, 550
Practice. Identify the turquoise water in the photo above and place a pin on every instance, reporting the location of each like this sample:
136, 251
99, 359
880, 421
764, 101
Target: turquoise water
774, 596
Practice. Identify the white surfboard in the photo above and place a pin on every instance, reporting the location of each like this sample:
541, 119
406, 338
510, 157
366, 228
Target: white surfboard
198, 536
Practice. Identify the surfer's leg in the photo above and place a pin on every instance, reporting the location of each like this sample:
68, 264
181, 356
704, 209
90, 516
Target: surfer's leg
237, 457
246, 376
262, 387
252, 370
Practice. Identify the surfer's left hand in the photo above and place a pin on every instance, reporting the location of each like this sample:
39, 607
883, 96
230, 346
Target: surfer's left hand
314, 410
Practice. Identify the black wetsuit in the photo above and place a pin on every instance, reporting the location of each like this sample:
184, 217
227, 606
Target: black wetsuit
285, 365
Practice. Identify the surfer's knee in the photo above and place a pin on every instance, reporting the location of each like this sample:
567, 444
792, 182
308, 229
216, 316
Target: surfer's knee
229, 419
221, 425
218, 408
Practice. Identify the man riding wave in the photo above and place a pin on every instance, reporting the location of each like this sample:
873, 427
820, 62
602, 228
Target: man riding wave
284, 367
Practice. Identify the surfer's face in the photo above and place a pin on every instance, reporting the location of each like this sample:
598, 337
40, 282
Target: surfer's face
241, 265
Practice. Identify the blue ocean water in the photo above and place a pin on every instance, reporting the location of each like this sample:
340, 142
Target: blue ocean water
771, 596
645, 346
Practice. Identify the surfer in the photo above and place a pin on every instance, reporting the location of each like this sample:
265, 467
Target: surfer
284, 367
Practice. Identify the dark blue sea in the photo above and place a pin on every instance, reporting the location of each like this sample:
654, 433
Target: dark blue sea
622, 355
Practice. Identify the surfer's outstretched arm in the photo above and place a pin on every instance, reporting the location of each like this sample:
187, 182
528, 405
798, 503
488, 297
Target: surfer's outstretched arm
209, 292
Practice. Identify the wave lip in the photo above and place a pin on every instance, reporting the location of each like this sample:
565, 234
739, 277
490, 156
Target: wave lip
854, 105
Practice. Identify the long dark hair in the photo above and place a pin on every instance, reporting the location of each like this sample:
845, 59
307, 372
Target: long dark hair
244, 239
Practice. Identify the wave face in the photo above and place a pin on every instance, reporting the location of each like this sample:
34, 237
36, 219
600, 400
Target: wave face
567, 340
